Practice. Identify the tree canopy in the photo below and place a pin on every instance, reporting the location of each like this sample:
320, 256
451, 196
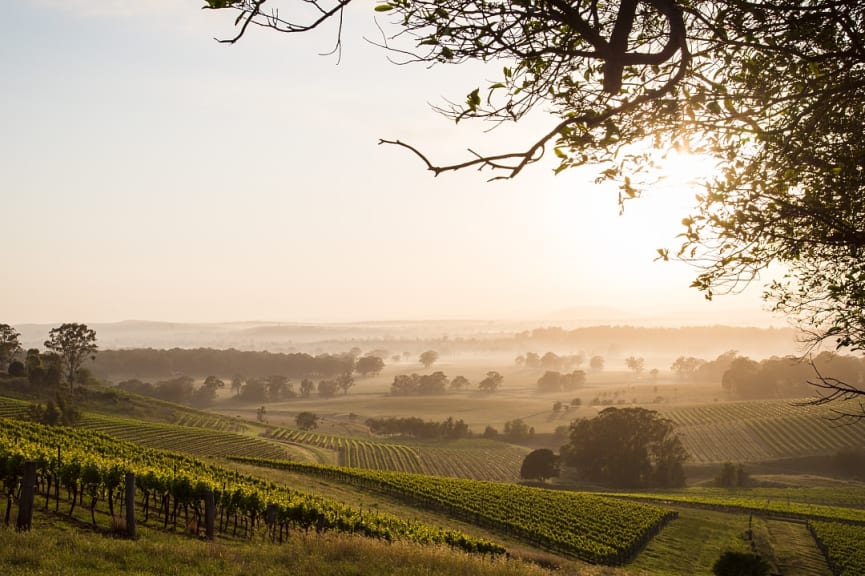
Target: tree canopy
627, 448
773, 92
10, 345
539, 465
73, 343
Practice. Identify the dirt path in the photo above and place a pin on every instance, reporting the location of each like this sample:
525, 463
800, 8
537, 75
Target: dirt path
796, 552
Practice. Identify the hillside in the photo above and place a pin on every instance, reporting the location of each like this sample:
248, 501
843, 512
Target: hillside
703, 519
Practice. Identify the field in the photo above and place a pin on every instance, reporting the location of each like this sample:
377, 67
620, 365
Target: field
342, 467
762, 430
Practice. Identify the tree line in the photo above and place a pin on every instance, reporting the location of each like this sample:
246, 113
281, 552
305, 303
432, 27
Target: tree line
201, 362
414, 427
775, 377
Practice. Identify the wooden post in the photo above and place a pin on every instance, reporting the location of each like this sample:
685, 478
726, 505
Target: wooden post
57, 483
209, 514
25, 504
130, 505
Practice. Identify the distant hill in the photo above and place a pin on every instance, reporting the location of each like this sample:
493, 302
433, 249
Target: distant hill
457, 335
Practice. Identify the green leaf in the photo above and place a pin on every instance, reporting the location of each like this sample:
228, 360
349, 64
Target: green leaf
474, 99
383, 8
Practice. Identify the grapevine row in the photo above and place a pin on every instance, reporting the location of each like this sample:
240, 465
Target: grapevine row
478, 460
92, 464
841, 545
591, 528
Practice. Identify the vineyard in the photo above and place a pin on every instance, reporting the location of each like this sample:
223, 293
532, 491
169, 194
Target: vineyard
11, 408
842, 546
761, 430
201, 442
90, 464
473, 459
759, 502
592, 528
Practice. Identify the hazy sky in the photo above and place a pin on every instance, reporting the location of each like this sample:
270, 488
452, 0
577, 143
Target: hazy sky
148, 172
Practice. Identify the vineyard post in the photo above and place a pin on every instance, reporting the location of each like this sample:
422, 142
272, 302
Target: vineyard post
57, 482
28, 491
130, 505
209, 514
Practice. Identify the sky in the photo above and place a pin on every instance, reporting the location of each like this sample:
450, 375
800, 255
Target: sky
149, 172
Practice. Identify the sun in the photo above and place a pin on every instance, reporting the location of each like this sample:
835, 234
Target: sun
683, 169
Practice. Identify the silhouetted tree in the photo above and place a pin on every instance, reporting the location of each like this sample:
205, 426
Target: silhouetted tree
517, 431
459, 383
626, 447
206, 393
327, 388
73, 343
344, 382
539, 465
10, 345
428, 358
307, 387
236, 384
491, 382
635, 364
306, 421
369, 365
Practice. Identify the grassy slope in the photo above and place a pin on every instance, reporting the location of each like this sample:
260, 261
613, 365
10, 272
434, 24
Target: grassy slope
671, 553
84, 552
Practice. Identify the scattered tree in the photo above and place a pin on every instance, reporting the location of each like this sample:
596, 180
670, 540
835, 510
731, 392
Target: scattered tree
732, 476
236, 384
539, 465
553, 381
10, 345
517, 431
306, 421
596, 363
62, 413
428, 358
551, 361
626, 447
206, 393
307, 387
255, 390
73, 343
635, 364
419, 385
179, 390
532, 360
327, 388
344, 382
369, 365
491, 382
459, 383
685, 367
278, 387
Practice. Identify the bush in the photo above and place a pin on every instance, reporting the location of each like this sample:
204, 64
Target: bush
740, 564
